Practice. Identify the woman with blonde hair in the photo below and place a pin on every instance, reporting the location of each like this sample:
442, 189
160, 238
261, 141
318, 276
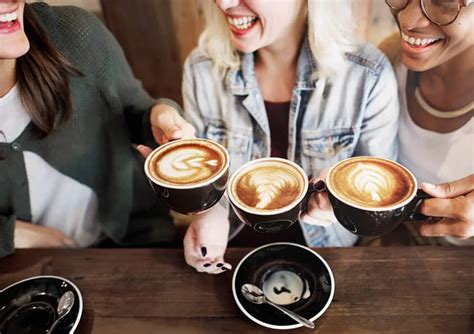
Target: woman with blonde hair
285, 79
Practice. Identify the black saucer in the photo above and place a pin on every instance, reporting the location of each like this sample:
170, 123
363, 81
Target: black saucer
311, 280
30, 306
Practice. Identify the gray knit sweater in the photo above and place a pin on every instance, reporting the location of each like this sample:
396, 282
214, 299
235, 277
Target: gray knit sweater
94, 147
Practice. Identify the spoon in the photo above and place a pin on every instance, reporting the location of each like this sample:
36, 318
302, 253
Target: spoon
66, 302
255, 295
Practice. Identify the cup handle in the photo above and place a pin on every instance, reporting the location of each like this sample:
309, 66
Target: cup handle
415, 215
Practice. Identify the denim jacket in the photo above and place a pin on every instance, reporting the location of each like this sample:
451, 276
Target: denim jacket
354, 113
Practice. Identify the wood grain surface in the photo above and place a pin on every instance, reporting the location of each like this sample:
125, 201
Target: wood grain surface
383, 289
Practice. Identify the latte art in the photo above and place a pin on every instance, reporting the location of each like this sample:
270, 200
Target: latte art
187, 164
268, 185
371, 182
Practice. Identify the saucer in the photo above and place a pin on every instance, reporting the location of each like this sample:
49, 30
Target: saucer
292, 276
30, 306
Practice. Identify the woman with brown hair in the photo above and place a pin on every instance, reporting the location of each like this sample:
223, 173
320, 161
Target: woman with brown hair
433, 56
70, 109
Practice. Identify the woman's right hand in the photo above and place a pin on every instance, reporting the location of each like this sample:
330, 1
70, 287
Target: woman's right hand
205, 241
29, 235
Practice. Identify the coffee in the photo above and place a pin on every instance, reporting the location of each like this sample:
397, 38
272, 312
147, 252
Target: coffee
267, 185
371, 183
187, 163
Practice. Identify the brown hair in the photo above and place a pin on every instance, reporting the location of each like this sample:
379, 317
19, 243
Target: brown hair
43, 78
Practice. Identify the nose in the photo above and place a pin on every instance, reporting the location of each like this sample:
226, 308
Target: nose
412, 16
226, 4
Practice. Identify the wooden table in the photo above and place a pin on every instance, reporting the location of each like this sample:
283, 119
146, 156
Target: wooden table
140, 291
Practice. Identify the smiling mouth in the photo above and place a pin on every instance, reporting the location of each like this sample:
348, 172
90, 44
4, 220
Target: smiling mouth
420, 42
9, 18
242, 23
9, 22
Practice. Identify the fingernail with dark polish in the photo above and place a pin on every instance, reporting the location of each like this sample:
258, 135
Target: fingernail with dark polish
225, 268
203, 251
319, 186
206, 265
219, 265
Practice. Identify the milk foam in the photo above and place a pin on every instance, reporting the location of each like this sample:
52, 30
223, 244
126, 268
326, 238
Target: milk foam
267, 184
285, 287
187, 164
372, 182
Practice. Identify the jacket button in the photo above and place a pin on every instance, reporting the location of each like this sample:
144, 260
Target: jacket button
16, 146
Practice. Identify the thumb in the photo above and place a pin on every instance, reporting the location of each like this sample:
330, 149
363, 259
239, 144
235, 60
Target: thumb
171, 124
450, 189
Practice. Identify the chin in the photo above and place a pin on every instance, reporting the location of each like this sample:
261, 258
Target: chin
244, 47
416, 65
16, 51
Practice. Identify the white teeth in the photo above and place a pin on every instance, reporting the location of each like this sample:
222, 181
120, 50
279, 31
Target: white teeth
8, 17
242, 23
418, 41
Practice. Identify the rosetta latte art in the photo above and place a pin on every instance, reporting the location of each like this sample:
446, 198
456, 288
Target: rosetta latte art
269, 186
189, 165
371, 183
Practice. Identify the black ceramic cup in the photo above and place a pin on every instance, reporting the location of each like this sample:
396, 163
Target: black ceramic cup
192, 197
370, 221
270, 220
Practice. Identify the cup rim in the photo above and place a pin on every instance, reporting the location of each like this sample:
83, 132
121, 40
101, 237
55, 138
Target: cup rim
357, 206
264, 324
273, 212
184, 186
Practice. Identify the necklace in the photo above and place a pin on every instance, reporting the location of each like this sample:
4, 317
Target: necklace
438, 113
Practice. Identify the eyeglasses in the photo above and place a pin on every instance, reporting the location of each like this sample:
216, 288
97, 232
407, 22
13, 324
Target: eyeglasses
440, 12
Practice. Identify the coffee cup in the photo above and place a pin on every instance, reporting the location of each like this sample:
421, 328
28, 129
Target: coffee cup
370, 196
268, 194
188, 175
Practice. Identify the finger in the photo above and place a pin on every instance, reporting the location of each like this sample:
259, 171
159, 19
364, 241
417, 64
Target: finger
145, 151
220, 266
170, 123
160, 138
188, 131
212, 243
450, 189
442, 207
319, 202
446, 227
191, 255
324, 173
320, 208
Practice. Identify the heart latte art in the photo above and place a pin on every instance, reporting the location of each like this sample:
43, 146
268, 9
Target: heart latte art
371, 182
268, 185
187, 164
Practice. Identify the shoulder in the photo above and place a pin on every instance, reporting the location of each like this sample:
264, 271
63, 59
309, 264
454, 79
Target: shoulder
76, 33
368, 57
198, 58
66, 21
391, 47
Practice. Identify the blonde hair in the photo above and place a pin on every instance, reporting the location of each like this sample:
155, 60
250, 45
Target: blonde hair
329, 29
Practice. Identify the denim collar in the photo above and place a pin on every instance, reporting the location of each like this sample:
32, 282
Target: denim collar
243, 81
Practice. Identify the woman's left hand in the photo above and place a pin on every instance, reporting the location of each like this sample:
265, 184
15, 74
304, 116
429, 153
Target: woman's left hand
454, 202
